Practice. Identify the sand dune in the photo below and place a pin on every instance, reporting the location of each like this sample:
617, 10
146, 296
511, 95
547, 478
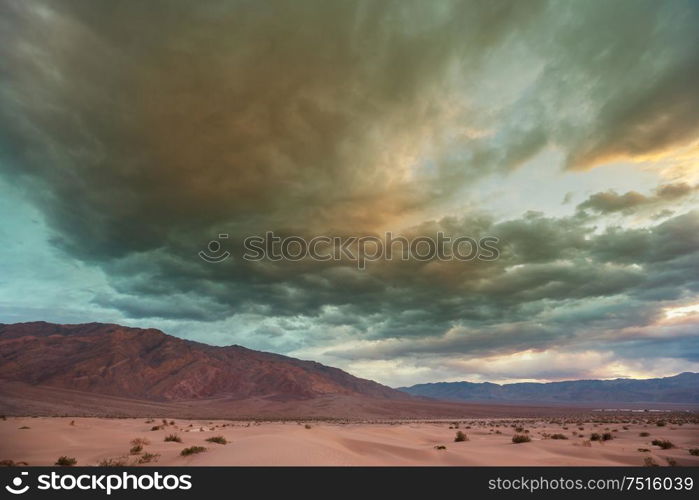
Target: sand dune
92, 440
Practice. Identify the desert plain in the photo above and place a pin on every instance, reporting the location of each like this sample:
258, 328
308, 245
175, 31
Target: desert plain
621, 440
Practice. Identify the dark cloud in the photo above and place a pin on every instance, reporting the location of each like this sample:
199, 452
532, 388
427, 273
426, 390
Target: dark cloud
611, 201
144, 129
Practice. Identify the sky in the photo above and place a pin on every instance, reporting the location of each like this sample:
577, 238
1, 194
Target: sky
134, 133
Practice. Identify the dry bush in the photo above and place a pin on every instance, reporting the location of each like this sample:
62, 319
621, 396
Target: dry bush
65, 461
662, 443
218, 440
460, 437
114, 462
148, 458
192, 450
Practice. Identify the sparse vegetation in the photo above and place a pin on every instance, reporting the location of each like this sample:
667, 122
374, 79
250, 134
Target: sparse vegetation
307, 426
643, 450
671, 462
607, 436
662, 443
521, 438
65, 461
440, 447
595, 437
694, 451
558, 436
192, 450
156, 428
12, 463
218, 440
140, 441
644, 434
661, 423
148, 458
24, 427
174, 438
460, 437
649, 462
114, 462
135, 450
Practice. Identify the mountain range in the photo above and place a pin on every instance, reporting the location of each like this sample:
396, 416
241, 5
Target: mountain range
107, 369
149, 364
682, 388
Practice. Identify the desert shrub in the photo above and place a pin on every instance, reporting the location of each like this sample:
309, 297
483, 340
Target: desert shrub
521, 438
607, 436
649, 462
135, 450
307, 426
140, 441
218, 440
694, 451
460, 436
671, 462
661, 423
156, 428
24, 427
558, 436
174, 438
12, 463
586, 443
662, 443
643, 450
440, 447
192, 450
595, 437
519, 429
114, 462
644, 434
65, 461
148, 458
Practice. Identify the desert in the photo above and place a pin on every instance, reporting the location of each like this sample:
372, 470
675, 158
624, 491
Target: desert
597, 440
103, 394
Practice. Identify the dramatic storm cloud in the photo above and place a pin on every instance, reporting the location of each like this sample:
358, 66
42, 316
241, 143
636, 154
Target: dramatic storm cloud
133, 133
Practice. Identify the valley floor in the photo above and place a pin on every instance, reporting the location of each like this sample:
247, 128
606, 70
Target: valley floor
95, 441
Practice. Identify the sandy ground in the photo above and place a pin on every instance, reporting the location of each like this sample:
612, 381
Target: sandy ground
41, 440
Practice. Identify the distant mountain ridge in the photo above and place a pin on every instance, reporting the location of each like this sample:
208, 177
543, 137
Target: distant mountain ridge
681, 388
148, 364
